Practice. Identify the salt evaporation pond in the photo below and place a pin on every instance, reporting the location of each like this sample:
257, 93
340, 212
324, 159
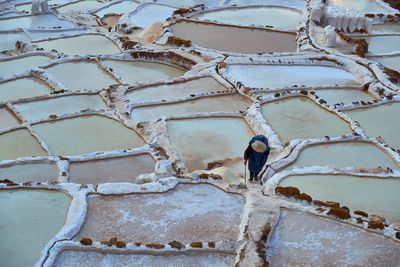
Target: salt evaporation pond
175, 90
7, 120
387, 28
141, 71
224, 103
22, 88
84, 258
19, 143
365, 6
183, 214
92, 44
391, 62
219, 138
45, 21
327, 242
188, 3
384, 44
358, 154
70, 75
344, 95
29, 220
22, 64
42, 109
112, 170
280, 76
148, 14
8, 40
373, 195
123, 7
86, 134
235, 39
381, 120
300, 118
34, 172
277, 17
80, 6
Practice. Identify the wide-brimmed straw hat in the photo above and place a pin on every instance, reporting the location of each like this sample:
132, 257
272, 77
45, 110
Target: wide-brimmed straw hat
259, 146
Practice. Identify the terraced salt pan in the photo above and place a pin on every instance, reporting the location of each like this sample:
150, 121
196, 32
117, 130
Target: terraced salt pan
34, 172
8, 40
183, 214
7, 119
37, 216
325, 242
300, 118
373, 195
279, 76
391, 62
384, 44
22, 88
387, 28
222, 138
81, 6
141, 71
75, 75
234, 39
123, 7
344, 95
42, 109
345, 154
277, 17
82, 258
19, 65
86, 134
175, 90
364, 6
146, 15
19, 143
44, 21
227, 103
92, 44
188, 3
121, 169
381, 120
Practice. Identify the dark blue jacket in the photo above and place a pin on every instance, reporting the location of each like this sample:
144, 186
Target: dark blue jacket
257, 160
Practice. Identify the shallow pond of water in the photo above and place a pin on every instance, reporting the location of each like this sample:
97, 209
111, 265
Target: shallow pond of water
44, 21
179, 214
76, 75
345, 154
141, 71
113, 170
19, 143
82, 258
22, 88
344, 95
381, 120
279, 76
42, 109
8, 40
34, 172
375, 196
87, 134
384, 44
175, 91
391, 62
92, 44
220, 138
146, 15
387, 28
234, 39
19, 65
300, 118
123, 7
226, 103
82, 6
7, 119
277, 17
29, 220
365, 6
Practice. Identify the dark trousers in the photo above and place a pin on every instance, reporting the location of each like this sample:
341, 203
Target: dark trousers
253, 175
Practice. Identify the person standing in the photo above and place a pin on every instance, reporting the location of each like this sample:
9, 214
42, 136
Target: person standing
256, 154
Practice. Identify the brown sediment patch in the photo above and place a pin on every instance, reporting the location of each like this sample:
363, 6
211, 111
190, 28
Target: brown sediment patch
235, 39
340, 213
362, 213
288, 191
394, 76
